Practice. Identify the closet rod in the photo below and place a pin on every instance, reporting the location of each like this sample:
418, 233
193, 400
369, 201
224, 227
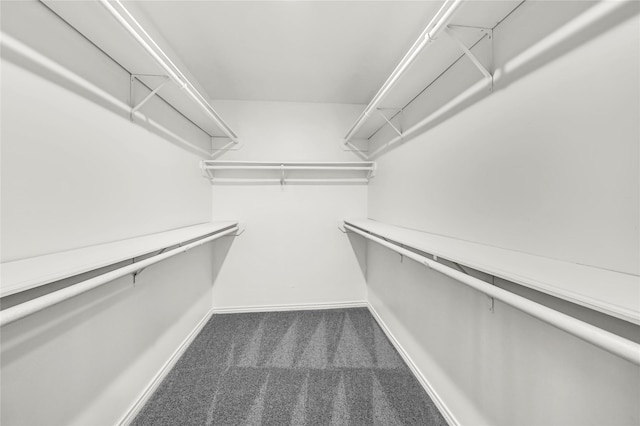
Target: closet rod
439, 21
167, 65
14, 313
285, 167
289, 180
610, 342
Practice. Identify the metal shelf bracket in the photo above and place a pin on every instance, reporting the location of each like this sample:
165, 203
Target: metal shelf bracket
136, 107
205, 172
241, 228
451, 31
139, 271
372, 172
396, 112
224, 143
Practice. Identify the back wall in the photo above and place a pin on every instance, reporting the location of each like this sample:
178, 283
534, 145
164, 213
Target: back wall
292, 252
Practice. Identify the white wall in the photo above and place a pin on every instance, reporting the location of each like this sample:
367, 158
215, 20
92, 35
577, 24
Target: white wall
505, 368
85, 361
75, 175
292, 251
77, 172
548, 164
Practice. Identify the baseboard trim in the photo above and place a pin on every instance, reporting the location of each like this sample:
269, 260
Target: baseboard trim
135, 408
444, 410
294, 307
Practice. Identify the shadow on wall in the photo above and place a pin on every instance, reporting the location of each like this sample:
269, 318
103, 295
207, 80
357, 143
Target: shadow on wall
359, 246
39, 329
48, 336
543, 43
554, 43
221, 248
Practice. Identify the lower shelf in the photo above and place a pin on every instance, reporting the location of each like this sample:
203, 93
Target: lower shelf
25, 274
612, 293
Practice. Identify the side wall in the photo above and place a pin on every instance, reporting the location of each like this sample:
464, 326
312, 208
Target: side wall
77, 172
501, 368
292, 243
548, 164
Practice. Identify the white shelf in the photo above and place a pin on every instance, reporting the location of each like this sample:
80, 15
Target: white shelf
111, 26
288, 172
613, 293
25, 274
473, 21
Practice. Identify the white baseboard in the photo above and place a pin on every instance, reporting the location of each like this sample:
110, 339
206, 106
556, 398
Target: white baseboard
444, 410
133, 411
294, 307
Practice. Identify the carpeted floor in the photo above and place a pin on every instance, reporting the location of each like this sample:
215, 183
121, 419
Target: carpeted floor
331, 367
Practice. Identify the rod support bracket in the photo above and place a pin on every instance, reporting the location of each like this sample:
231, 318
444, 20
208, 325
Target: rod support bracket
134, 77
452, 32
224, 143
460, 268
359, 146
241, 228
139, 271
396, 112
373, 170
206, 173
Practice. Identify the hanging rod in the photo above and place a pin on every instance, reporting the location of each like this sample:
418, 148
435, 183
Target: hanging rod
209, 167
167, 65
285, 167
17, 312
610, 342
430, 33
289, 180
292, 163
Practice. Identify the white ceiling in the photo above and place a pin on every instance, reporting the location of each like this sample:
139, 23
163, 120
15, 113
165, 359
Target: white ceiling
307, 51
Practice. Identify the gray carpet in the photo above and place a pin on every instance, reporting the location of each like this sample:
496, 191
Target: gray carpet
332, 367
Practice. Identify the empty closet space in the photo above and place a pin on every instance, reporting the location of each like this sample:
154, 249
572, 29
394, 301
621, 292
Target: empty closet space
320, 212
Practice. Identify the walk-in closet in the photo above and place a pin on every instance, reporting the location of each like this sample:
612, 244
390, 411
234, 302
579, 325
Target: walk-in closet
320, 212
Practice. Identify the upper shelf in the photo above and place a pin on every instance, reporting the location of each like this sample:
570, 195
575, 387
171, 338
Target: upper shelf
288, 172
613, 293
25, 274
111, 27
450, 35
